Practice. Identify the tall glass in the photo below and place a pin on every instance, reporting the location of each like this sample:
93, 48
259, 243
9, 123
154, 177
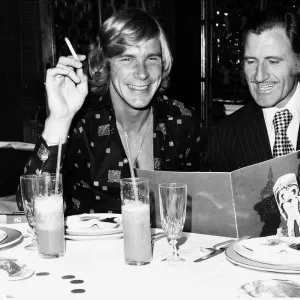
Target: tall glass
43, 204
136, 221
49, 214
172, 202
27, 188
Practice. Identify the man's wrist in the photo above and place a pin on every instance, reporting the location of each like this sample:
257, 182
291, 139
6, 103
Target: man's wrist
56, 129
53, 144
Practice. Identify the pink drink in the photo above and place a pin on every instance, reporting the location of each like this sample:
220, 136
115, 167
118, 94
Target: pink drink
137, 236
50, 225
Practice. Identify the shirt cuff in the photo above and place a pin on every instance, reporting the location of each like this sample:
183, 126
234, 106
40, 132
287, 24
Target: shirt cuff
45, 150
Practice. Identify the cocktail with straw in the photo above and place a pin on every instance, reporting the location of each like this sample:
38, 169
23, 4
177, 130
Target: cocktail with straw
43, 204
136, 217
48, 205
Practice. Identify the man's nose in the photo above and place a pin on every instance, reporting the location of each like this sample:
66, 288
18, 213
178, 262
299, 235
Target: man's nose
261, 73
141, 71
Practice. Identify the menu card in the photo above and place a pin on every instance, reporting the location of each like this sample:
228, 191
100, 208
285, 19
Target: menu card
229, 204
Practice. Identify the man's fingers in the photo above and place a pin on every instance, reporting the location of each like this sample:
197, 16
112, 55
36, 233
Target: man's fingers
81, 75
55, 72
83, 86
71, 61
80, 56
72, 74
62, 70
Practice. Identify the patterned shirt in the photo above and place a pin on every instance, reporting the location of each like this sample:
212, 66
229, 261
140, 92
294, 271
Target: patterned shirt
95, 159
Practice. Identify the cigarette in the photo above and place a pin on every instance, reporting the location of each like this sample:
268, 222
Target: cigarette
71, 48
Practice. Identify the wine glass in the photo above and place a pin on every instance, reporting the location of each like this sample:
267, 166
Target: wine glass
27, 187
172, 202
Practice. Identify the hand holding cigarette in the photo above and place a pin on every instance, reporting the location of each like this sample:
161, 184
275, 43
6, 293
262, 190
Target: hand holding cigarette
67, 88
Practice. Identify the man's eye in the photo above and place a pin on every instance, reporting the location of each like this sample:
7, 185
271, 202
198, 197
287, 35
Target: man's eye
274, 62
125, 58
249, 61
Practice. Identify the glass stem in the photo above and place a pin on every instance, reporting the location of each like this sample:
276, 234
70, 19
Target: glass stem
174, 249
34, 239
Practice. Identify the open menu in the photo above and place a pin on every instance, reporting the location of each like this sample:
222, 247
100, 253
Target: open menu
229, 204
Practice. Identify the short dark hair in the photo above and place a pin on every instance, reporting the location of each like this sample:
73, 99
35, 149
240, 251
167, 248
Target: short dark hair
274, 18
124, 28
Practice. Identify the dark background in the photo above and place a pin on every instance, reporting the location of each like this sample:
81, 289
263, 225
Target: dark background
23, 104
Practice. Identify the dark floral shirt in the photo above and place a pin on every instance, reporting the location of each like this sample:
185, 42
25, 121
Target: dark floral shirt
95, 160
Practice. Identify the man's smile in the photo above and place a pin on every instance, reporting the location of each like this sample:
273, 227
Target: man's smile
137, 87
265, 87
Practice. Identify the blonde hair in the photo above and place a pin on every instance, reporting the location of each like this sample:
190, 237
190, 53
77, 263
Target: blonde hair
124, 28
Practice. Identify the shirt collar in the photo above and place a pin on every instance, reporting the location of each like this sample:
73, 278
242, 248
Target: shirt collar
293, 106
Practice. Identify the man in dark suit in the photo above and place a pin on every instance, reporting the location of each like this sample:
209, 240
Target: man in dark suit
271, 42
269, 126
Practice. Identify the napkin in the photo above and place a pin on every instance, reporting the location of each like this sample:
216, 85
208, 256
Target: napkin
90, 220
15, 269
272, 288
11, 266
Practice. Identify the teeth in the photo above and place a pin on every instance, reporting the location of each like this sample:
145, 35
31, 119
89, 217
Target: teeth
265, 87
139, 88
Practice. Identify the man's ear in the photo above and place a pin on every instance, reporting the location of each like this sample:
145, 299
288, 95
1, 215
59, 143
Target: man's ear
296, 68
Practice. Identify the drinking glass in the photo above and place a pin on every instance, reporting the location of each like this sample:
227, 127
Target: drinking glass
49, 215
172, 202
27, 187
136, 221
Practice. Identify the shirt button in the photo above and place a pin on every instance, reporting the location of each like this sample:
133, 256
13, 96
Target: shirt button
125, 160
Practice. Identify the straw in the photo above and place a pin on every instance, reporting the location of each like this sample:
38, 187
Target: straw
58, 166
131, 168
71, 48
129, 156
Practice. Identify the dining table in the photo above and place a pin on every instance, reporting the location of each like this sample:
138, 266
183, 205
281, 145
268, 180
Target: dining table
95, 269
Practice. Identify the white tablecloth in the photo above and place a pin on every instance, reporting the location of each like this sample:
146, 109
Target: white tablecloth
100, 265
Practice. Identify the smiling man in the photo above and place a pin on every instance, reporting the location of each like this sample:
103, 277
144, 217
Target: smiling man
129, 67
269, 126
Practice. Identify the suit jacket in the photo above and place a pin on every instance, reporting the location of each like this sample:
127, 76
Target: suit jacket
239, 140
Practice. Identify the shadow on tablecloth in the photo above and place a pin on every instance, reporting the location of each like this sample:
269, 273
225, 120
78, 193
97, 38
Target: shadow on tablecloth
8, 205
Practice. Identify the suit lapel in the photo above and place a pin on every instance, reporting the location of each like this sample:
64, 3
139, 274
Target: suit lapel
254, 136
298, 139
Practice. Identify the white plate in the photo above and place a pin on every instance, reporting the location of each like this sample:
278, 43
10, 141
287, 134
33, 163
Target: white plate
3, 235
239, 260
6, 264
95, 230
253, 243
94, 237
260, 249
13, 237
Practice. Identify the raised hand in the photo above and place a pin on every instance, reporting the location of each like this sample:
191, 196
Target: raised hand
67, 87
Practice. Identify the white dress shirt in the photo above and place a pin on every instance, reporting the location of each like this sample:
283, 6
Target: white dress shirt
294, 107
